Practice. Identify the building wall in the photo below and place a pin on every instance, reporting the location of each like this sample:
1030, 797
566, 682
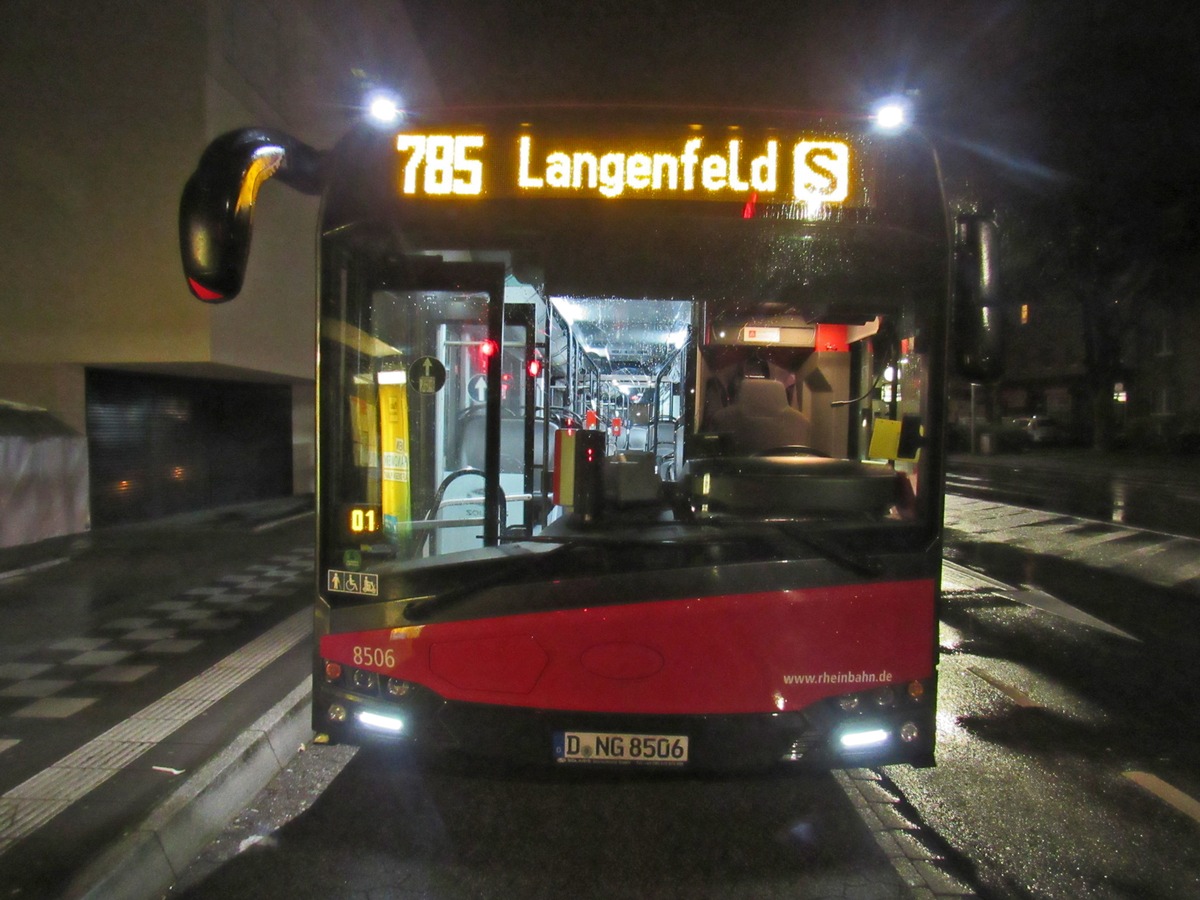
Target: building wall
1045, 372
1164, 390
107, 108
1044, 356
102, 110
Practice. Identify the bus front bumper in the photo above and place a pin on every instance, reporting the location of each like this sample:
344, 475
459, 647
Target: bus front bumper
843, 732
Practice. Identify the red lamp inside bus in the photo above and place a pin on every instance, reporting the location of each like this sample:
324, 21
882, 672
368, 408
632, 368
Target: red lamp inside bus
486, 349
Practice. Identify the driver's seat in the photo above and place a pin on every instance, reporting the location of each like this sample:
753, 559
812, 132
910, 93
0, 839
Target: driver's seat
760, 417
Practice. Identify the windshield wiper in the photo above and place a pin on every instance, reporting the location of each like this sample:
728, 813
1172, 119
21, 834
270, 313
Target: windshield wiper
516, 569
831, 550
673, 533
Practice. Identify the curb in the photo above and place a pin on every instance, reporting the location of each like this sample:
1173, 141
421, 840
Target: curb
146, 861
929, 868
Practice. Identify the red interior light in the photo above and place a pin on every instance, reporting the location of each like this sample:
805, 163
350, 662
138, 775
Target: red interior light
751, 207
485, 349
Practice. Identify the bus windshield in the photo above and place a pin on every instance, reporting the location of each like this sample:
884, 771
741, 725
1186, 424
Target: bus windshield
543, 337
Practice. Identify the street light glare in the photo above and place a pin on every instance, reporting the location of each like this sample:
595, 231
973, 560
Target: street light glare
891, 116
383, 108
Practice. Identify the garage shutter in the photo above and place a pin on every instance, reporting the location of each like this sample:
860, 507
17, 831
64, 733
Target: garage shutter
160, 445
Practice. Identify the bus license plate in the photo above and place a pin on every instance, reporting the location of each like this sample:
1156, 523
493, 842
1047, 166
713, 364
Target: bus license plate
603, 747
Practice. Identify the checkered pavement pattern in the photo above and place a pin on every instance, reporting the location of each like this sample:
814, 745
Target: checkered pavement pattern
58, 680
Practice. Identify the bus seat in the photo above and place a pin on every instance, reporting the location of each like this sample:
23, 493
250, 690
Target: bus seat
473, 442
760, 418
637, 437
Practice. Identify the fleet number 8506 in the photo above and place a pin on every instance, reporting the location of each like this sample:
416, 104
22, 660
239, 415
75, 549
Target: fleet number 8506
374, 656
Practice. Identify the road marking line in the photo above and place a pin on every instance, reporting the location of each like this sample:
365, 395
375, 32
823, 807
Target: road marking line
969, 578
1186, 804
956, 577
34, 802
1016, 695
1039, 599
36, 567
276, 523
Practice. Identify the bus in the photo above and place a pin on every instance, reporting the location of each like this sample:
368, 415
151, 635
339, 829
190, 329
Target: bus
630, 428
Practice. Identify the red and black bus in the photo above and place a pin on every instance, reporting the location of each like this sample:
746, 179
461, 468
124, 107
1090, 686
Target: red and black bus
630, 428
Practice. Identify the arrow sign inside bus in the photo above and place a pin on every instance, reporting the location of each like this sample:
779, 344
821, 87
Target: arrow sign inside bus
477, 389
427, 375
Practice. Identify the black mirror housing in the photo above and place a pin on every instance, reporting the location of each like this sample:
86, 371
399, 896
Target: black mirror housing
217, 207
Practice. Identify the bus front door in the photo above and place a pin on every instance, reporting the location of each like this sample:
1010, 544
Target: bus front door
440, 413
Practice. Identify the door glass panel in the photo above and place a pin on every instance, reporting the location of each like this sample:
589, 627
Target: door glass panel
430, 377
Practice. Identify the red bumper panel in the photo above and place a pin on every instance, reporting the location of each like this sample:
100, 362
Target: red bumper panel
745, 653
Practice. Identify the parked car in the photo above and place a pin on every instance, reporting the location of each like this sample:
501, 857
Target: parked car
1041, 431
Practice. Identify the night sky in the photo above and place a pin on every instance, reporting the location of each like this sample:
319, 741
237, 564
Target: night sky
794, 53
1027, 93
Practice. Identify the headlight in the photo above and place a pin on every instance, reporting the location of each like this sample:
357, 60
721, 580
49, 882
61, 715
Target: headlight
378, 722
858, 739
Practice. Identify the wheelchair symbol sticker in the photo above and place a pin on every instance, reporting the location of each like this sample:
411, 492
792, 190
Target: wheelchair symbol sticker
352, 582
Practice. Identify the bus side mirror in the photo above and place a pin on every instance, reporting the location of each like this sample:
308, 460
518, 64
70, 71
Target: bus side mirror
217, 207
978, 323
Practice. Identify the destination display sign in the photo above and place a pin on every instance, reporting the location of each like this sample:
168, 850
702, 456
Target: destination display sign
805, 169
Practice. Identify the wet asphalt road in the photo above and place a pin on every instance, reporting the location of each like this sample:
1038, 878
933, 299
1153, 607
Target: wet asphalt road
1066, 707
1044, 725
1056, 739
385, 828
